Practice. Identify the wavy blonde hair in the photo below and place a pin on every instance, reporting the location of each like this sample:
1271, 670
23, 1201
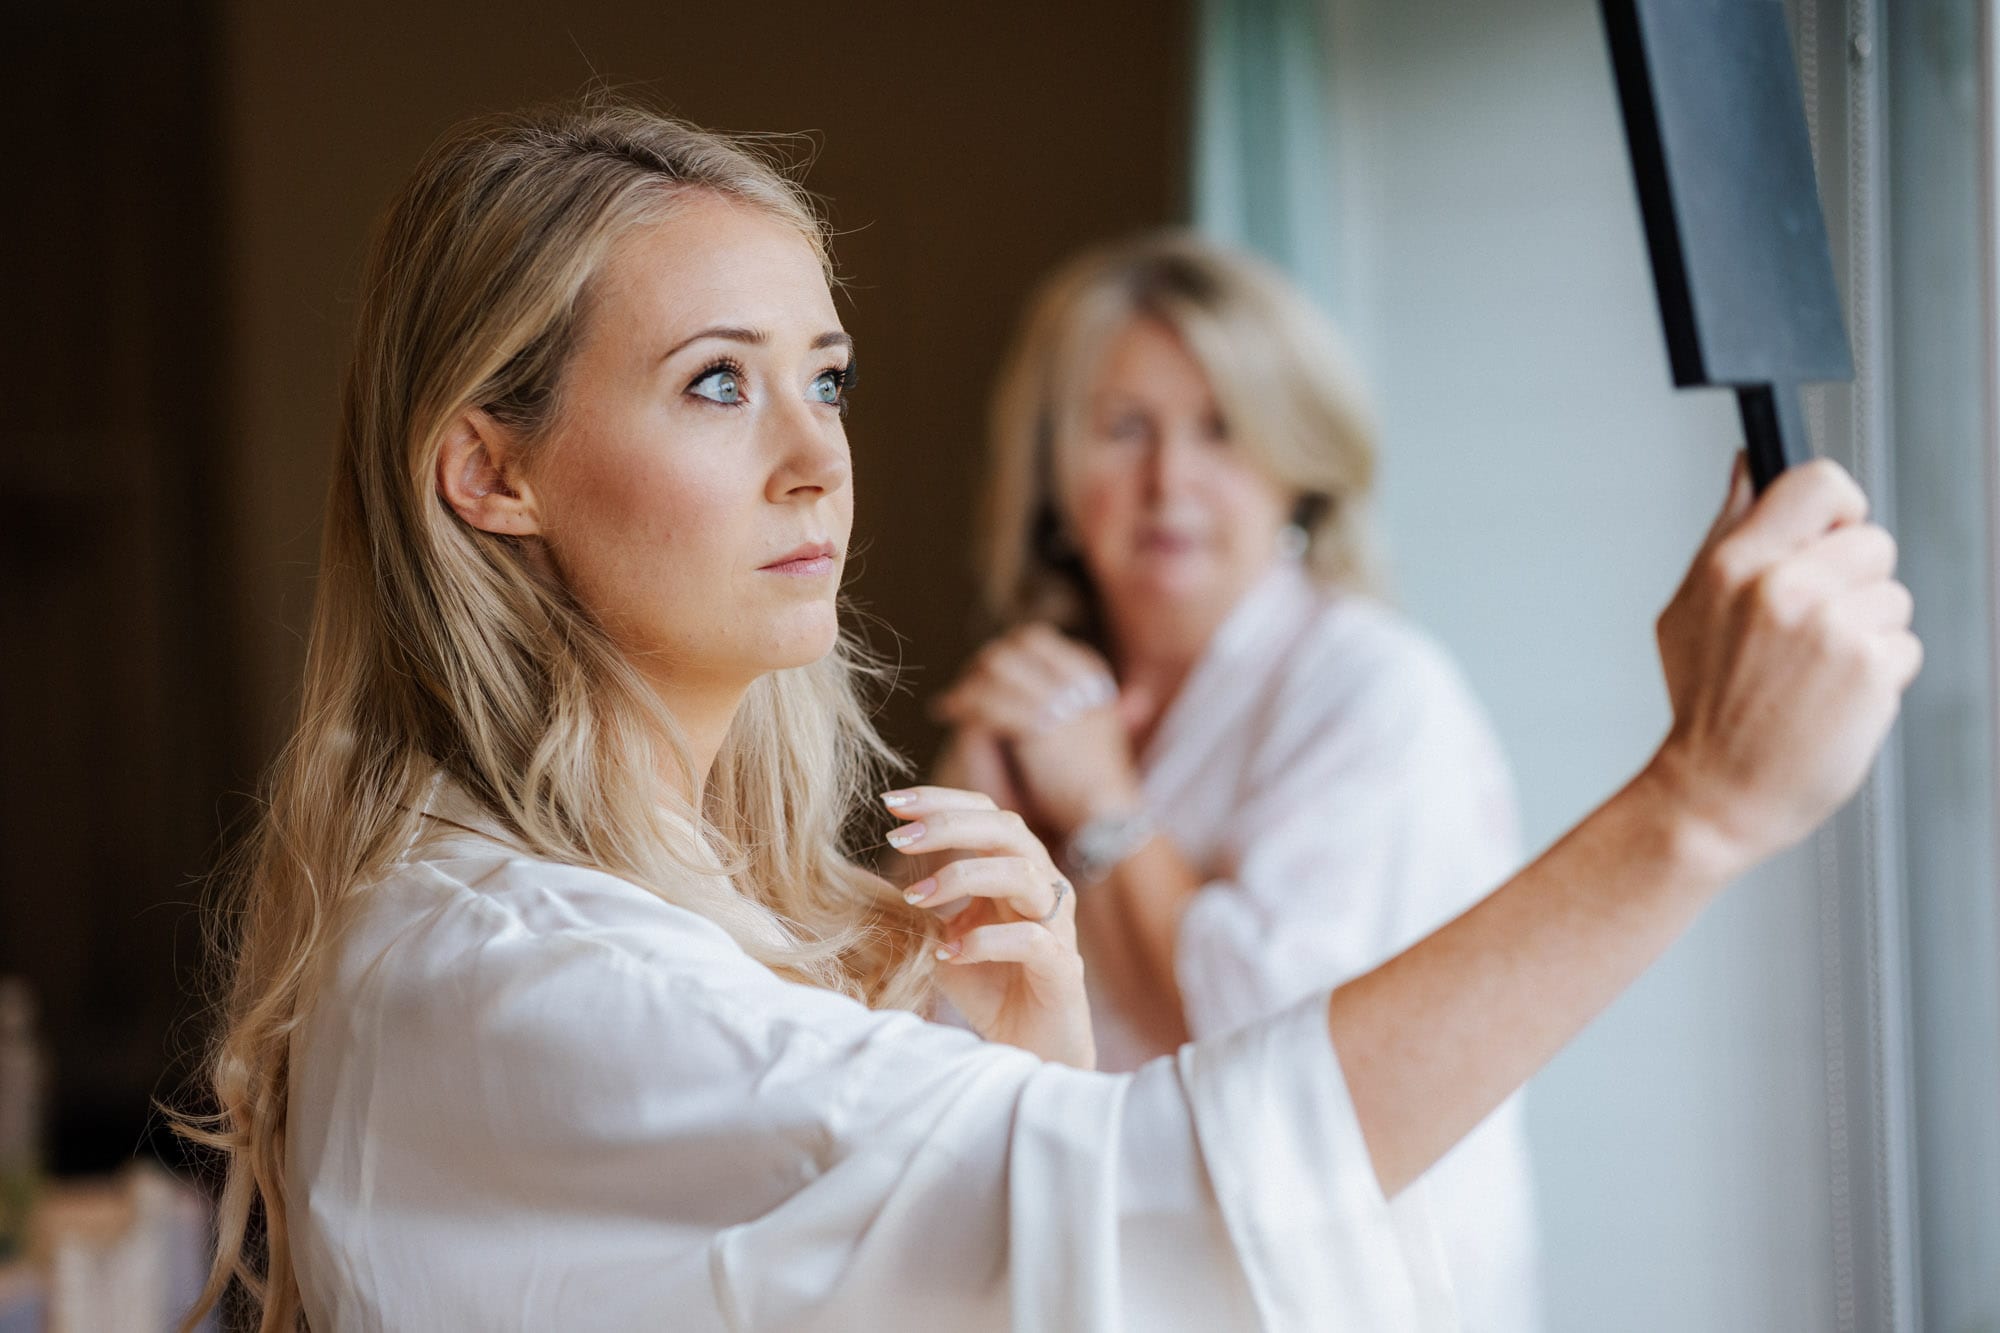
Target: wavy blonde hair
439, 648
1280, 373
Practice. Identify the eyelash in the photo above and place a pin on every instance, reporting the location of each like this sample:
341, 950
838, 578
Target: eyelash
843, 384
726, 363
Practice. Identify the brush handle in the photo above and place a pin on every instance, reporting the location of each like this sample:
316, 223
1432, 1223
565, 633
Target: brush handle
1774, 430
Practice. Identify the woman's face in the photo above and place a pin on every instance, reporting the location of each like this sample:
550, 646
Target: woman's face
1170, 516
695, 494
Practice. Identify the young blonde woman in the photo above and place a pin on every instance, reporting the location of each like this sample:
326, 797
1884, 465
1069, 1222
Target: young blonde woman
557, 1003
1266, 780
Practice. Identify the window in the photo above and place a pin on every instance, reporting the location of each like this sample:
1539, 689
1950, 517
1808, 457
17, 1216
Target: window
1794, 1121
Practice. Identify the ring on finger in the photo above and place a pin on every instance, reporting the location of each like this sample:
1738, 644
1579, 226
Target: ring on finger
1061, 886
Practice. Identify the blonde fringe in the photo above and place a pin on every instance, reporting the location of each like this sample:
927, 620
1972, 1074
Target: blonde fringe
438, 648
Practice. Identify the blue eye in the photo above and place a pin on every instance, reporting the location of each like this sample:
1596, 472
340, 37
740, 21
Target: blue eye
719, 384
830, 386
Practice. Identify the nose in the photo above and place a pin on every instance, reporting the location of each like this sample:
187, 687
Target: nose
812, 455
1171, 463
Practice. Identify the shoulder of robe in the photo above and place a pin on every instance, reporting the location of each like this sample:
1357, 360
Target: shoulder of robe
491, 969
1363, 669
472, 914
524, 894
555, 1008
474, 917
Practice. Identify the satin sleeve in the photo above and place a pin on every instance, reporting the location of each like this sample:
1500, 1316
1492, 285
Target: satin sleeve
641, 1123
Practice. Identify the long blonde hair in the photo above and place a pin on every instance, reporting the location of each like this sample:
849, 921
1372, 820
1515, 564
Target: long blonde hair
1279, 371
439, 648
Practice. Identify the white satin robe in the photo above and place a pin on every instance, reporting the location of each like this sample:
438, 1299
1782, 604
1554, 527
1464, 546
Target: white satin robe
1330, 775
533, 1096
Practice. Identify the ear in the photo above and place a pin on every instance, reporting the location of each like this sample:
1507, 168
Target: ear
478, 475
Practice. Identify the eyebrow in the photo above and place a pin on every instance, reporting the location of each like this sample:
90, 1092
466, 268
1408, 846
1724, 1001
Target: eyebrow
754, 337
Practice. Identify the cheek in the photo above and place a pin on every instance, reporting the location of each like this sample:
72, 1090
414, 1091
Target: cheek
1104, 501
841, 507
642, 543
1250, 508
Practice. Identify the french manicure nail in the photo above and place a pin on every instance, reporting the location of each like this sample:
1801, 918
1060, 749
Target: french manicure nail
946, 952
896, 800
919, 891
905, 835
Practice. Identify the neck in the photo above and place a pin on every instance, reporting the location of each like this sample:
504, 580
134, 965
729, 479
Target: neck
704, 711
1154, 665
1154, 644
1153, 653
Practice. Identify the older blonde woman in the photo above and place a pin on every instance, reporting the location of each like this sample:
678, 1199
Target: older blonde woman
558, 1003
1263, 776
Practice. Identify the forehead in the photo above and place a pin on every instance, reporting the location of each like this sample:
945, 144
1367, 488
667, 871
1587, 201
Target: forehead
1146, 353
712, 260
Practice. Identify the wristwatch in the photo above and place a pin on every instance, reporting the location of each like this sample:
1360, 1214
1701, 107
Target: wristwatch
1096, 848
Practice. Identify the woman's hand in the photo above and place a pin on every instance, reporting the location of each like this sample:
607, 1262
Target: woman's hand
1786, 652
1009, 965
1056, 706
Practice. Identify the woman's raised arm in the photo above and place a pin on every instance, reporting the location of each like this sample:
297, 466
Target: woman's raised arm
1786, 653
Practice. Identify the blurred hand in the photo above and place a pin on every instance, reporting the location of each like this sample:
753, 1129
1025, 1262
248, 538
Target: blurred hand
975, 759
1057, 708
1786, 651
1010, 967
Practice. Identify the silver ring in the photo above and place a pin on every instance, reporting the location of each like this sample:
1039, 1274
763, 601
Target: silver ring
1061, 887
1072, 701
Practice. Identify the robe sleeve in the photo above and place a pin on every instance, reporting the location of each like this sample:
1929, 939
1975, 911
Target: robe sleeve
686, 1136
1375, 808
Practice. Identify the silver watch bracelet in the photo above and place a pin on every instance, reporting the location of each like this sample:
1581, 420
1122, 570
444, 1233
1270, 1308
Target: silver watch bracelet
1097, 848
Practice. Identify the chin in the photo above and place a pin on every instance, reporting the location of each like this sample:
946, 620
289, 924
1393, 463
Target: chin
804, 639
1173, 580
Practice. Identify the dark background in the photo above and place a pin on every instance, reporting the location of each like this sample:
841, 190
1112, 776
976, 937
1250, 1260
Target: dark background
190, 186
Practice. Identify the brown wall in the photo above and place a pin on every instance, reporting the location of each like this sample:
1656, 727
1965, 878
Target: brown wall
115, 656
965, 149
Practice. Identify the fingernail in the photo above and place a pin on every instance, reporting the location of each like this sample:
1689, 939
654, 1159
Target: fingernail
896, 800
919, 891
947, 952
905, 835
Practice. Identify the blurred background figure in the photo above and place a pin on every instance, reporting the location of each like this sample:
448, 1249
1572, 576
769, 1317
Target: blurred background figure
1259, 776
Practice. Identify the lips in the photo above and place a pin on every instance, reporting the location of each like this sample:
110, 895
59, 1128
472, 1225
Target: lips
1166, 543
812, 558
